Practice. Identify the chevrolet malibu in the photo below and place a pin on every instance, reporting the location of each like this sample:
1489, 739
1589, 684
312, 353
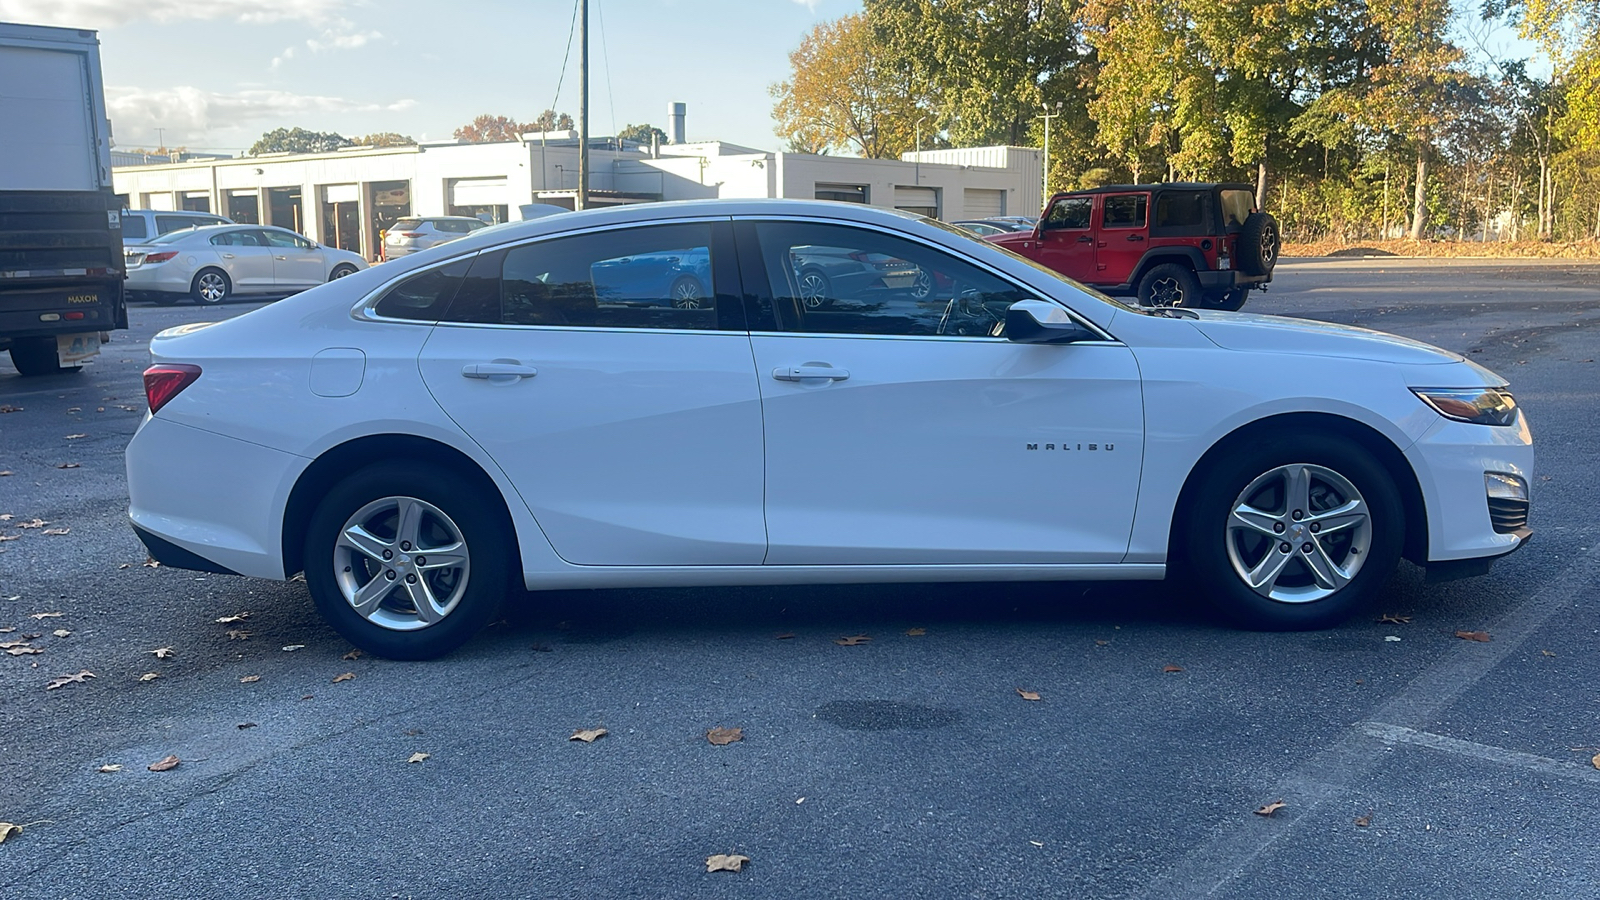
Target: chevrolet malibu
216, 262
422, 438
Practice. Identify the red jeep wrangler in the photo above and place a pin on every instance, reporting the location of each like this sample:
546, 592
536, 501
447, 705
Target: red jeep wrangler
1196, 245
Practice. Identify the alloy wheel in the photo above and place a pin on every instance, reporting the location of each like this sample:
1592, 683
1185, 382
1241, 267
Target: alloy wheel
213, 287
401, 563
1166, 292
1298, 533
686, 294
813, 289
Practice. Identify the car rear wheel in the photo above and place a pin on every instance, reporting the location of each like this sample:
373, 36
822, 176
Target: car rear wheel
1294, 532
687, 293
1170, 284
1232, 301
407, 561
210, 287
815, 288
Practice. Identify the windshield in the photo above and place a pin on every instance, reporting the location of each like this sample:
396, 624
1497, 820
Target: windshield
171, 236
956, 229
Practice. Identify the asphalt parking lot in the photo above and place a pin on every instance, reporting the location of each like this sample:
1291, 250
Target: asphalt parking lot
1410, 762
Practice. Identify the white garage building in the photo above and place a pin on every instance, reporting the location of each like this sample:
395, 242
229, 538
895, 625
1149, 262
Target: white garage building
346, 198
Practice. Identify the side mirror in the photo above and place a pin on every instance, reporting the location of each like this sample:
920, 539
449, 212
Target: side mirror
1038, 322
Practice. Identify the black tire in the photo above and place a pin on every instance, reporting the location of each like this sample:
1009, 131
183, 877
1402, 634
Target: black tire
1259, 243
162, 298
210, 287
1232, 301
37, 356
341, 271
474, 597
815, 290
1170, 284
1212, 532
688, 293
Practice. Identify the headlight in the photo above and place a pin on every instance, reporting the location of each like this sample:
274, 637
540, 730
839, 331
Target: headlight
1480, 406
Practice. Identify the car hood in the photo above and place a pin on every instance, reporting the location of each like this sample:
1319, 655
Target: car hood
1278, 334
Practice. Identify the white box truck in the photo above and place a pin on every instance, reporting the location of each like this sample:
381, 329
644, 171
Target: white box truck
61, 269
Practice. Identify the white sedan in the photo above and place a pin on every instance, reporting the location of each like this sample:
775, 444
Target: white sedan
526, 407
214, 263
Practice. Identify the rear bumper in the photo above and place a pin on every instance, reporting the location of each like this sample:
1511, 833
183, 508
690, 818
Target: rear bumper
41, 311
1229, 280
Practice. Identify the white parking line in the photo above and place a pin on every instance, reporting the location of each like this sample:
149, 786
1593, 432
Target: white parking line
1398, 734
1235, 845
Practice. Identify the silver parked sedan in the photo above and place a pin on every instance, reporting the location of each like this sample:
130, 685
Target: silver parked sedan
214, 263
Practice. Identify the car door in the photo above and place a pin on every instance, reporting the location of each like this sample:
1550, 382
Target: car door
296, 263
1123, 237
1066, 243
907, 430
246, 257
632, 429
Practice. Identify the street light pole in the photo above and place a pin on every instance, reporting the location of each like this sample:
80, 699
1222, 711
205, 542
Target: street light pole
1047, 117
582, 199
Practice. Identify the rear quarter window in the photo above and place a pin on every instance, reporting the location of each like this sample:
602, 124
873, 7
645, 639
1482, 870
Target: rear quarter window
424, 297
134, 227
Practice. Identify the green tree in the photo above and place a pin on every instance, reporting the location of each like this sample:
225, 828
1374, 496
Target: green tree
642, 134
550, 120
298, 140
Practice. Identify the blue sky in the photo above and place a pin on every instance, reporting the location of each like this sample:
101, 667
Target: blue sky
215, 74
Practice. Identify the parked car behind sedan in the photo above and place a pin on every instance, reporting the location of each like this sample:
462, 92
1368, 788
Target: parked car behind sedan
140, 225
211, 264
991, 226
407, 236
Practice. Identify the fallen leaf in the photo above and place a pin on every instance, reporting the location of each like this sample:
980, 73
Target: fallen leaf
125, 565
1596, 761
33, 523
163, 652
109, 767
1392, 619
73, 409
236, 635
229, 620
58, 531
6, 828
307, 696
353, 654
1037, 843
1171, 669
8, 629
293, 647
786, 636
250, 679
720, 736
1479, 636
164, 764
344, 677
1547, 653
50, 615
23, 650
6, 472
150, 676
1028, 695
852, 641
1364, 821
1392, 638
9, 537
68, 466
244, 725
73, 437
61, 632
417, 757
1100, 643
916, 632
10, 409
1271, 808
722, 862
151, 562
588, 735
68, 679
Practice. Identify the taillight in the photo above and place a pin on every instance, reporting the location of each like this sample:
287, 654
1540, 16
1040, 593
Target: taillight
163, 382
412, 234
163, 256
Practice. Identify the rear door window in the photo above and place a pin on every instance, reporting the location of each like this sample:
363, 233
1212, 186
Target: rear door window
1125, 211
134, 227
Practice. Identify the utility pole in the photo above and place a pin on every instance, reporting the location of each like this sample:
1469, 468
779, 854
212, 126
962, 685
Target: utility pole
582, 200
1047, 117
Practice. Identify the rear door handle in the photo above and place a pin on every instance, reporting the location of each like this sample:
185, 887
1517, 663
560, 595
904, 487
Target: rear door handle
1135, 237
227, 256
498, 371
801, 373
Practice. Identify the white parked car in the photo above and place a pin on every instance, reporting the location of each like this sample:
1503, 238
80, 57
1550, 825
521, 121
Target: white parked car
217, 262
409, 235
140, 225
423, 436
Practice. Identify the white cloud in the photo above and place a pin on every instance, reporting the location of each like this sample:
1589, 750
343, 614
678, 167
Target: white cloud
809, 4
334, 40
187, 114
110, 13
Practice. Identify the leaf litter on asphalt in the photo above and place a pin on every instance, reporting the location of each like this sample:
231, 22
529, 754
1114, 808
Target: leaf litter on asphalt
1271, 808
1028, 695
588, 735
65, 680
725, 862
164, 764
723, 736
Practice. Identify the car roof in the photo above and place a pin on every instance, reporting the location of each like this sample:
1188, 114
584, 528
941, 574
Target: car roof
1164, 186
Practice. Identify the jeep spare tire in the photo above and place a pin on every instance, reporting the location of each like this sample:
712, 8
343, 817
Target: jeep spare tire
1259, 242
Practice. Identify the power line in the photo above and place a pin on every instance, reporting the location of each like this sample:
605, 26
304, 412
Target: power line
572, 29
605, 60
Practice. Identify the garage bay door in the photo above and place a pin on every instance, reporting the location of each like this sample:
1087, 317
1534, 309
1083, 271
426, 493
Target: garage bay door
917, 199
478, 192
981, 203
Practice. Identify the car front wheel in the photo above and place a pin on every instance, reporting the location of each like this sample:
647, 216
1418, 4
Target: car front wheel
341, 271
1294, 532
407, 561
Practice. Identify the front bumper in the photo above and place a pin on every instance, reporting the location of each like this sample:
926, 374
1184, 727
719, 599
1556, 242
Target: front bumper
1450, 460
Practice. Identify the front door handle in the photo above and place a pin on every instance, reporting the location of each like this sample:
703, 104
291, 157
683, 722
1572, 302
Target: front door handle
1085, 239
227, 256
498, 371
802, 373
